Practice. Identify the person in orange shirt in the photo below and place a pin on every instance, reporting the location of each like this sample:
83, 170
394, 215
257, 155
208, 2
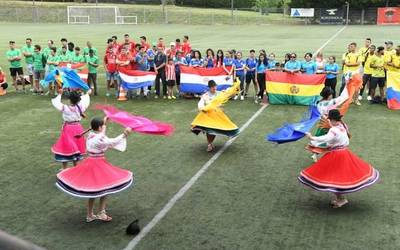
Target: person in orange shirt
128, 43
186, 47
3, 83
161, 43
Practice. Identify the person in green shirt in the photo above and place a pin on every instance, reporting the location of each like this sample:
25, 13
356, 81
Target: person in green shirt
89, 46
27, 51
93, 63
77, 57
52, 63
39, 62
378, 75
14, 56
47, 50
64, 43
64, 56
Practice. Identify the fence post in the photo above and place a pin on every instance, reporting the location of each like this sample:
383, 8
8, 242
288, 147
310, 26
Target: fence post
362, 16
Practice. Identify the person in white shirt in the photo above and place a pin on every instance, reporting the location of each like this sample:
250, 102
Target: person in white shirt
95, 177
69, 147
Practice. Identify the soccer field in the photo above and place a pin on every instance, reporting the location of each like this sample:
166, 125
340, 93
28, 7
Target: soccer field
248, 199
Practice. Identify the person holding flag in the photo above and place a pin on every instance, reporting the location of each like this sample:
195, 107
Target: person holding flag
52, 63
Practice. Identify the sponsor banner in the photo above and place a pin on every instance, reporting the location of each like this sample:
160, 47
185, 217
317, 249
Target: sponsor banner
331, 16
388, 15
299, 12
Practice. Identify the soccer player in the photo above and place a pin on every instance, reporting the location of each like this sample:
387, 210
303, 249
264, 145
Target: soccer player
110, 64
308, 66
144, 43
196, 61
363, 52
143, 65
52, 63
77, 57
88, 47
47, 50
186, 47
387, 56
39, 62
251, 65
161, 43
367, 72
292, 66
93, 63
14, 56
378, 75
239, 65
179, 60
227, 64
27, 51
352, 65
64, 56
178, 44
129, 44
209, 61
64, 43
395, 61
331, 70
115, 45
171, 52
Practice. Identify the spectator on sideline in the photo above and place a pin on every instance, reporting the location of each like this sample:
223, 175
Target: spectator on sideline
352, 63
47, 50
378, 75
71, 47
14, 56
77, 57
88, 47
331, 70
219, 61
64, 43
118, 48
93, 63
144, 43
227, 64
52, 62
161, 44
262, 66
251, 65
320, 63
287, 58
179, 60
3, 83
27, 51
239, 66
209, 61
143, 65
171, 52
308, 66
178, 44
272, 62
64, 56
160, 60
292, 66
110, 65
186, 47
39, 62
262, 51
171, 78
367, 76
196, 61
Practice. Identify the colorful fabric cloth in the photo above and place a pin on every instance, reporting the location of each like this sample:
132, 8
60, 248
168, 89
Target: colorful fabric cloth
393, 90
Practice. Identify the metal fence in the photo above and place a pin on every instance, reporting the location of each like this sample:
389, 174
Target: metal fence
32, 14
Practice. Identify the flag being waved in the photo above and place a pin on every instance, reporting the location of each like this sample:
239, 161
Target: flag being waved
80, 68
66, 78
300, 89
195, 80
393, 90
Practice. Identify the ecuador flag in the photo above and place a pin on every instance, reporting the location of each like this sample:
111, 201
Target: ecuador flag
393, 90
286, 88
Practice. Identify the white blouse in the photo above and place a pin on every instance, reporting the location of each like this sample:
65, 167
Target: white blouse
98, 143
70, 113
336, 137
206, 99
325, 106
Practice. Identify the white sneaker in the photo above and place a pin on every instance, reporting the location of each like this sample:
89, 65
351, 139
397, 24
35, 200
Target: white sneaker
369, 98
108, 94
236, 97
314, 157
360, 98
242, 98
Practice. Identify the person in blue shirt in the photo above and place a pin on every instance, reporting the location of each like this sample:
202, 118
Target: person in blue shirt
251, 64
179, 60
308, 66
209, 61
151, 53
292, 66
271, 62
143, 65
227, 64
331, 71
196, 61
239, 64
262, 66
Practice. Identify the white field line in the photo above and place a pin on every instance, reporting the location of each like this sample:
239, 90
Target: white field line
167, 207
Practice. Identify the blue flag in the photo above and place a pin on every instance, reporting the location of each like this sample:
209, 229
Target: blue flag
66, 77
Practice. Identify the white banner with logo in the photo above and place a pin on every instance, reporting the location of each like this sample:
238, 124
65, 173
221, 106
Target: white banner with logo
300, 12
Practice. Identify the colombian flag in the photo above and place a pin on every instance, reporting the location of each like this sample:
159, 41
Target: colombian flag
300, 89
393, 90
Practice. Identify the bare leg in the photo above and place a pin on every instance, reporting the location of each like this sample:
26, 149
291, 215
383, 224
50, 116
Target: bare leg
75, 163
90, 207
102, 214
64, 165
210, 139
103, 203
382, 93
14, 78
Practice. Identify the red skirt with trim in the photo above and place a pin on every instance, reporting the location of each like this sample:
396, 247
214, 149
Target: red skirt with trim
67, 144
339, 171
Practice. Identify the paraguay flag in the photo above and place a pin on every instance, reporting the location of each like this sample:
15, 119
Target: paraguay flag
195, 80
80, 68
393, 90
300, 89
136, 79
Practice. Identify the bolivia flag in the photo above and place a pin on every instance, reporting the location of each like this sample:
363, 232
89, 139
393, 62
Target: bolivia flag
195, 80
286, 88
136, 79
393, 90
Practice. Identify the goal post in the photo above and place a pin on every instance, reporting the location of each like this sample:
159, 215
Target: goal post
90, 14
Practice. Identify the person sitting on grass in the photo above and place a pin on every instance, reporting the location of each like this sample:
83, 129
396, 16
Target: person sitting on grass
3, 83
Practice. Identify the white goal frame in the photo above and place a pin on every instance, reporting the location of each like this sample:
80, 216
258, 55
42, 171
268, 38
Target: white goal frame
121, 20
117, 17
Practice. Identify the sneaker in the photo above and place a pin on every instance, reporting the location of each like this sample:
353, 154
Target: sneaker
369, 98
156, 97
236, 97
173, 97
169, 97
241, 98
360, 98
107, 94
358, 103
47, 93
164, 97
210, 148
314, 157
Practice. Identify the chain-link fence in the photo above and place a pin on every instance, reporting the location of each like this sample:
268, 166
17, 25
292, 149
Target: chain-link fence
193, 16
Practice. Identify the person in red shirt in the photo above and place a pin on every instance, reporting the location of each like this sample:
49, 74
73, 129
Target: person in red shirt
116, 47
129, 44
144, 43
171, 52
186, 47
178, 44
161, 43
110, 64
170, 75
124, 59
3, 83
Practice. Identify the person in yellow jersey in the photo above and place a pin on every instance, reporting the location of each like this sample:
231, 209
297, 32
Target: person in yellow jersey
367, 72
363, 52
387, 56
344, 68
352, 65
394, 63
378, 75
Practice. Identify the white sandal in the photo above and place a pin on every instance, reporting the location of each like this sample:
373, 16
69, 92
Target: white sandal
91, 218
103, 216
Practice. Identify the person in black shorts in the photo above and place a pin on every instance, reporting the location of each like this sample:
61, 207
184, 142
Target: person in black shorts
378, 75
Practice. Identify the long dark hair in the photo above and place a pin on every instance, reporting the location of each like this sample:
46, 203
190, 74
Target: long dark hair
264, 61
220, 58
212, 52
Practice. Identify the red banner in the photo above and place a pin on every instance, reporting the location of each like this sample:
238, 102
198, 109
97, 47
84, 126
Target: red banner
388, 15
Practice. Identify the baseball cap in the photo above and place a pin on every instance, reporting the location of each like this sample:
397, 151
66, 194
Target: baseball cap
389, 42
172, 43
